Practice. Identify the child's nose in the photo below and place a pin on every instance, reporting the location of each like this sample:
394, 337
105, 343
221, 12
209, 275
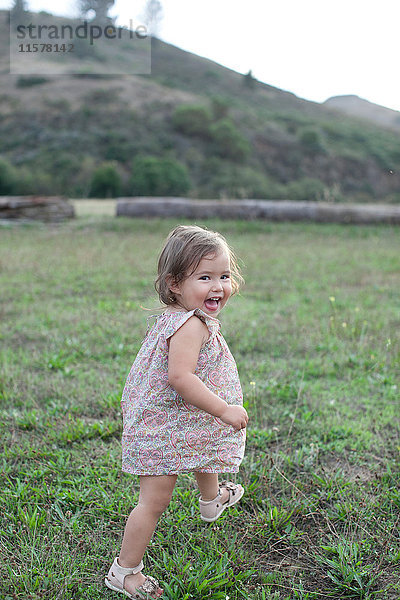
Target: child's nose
217, 287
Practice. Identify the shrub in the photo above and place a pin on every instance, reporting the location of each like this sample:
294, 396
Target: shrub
228, 142
102, 96
152, 176
66, 169
35, 182
305, 189
85, 75
227, 180
118, 146
311, 140
84, 50
393, 198
192, 120
219, 107
23, 82
106, 182
8, 178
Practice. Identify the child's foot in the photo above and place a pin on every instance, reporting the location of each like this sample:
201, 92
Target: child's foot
132, 583
143, 586
229, 493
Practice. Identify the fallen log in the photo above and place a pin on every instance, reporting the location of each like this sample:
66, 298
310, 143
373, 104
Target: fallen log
273, 210
50, 209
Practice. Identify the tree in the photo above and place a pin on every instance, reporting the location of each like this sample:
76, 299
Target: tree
8, 178
249, 80
219, 107
228, 142
18, 12
100, 7
106, 182
311, 140
152, 176
192, 120
152, 16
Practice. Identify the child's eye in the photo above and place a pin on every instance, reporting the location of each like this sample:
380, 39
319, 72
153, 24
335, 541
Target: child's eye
204, 277
225, 277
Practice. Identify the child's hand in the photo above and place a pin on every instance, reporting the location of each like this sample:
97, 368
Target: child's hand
236, 416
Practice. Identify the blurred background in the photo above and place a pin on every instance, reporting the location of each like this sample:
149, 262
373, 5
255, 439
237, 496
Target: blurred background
267, 100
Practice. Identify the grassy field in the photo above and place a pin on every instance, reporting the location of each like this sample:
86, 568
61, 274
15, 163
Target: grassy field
87, 208
315, 333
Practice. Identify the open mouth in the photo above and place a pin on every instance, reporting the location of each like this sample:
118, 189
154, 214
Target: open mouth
212, 303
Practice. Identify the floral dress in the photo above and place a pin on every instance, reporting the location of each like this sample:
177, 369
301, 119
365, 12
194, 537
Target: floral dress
163, 434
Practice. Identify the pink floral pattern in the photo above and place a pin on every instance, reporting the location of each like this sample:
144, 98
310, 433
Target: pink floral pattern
163, 434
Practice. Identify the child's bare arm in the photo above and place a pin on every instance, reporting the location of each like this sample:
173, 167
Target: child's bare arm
183, 354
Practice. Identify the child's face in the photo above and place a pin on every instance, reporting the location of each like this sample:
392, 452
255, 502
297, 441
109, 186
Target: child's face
209, 287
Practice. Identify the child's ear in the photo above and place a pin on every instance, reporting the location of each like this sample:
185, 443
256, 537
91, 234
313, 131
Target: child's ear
172, 284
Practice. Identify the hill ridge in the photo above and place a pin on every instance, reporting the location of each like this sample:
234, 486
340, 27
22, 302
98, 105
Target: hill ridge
241, 138
354, 105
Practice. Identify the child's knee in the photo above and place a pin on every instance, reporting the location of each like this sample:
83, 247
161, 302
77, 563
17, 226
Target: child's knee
156, 503
163, 503
156, 493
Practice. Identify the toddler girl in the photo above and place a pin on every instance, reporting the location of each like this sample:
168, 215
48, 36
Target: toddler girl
182, 401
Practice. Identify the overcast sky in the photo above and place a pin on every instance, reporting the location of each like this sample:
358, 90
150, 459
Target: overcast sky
313, 48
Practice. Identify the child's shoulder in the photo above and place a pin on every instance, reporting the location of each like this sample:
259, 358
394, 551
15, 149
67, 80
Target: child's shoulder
192, 322
172, 321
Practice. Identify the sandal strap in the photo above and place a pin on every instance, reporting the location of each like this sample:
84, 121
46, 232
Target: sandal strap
125, 571
230, 486
149, 586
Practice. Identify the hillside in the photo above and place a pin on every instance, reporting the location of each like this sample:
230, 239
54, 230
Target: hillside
363, 109
191, 127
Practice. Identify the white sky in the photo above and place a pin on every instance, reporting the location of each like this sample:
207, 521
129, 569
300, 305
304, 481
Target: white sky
313, 48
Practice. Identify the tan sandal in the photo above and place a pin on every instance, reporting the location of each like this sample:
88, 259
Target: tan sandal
210, 511
115, 581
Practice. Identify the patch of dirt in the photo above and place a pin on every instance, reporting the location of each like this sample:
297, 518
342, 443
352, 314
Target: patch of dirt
352, 472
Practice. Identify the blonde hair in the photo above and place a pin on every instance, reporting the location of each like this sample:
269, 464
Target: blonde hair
184, 248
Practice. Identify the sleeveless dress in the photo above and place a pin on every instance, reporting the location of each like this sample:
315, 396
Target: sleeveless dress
163, 434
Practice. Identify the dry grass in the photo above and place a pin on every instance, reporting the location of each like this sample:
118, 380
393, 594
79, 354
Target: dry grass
94, 207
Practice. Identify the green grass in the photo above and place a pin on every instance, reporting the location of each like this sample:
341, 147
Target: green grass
315, 333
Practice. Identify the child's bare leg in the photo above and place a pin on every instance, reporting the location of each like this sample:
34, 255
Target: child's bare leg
155, 495
209, 486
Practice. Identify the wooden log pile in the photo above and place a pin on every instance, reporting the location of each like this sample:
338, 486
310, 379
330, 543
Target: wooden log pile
272, 210
50, 209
